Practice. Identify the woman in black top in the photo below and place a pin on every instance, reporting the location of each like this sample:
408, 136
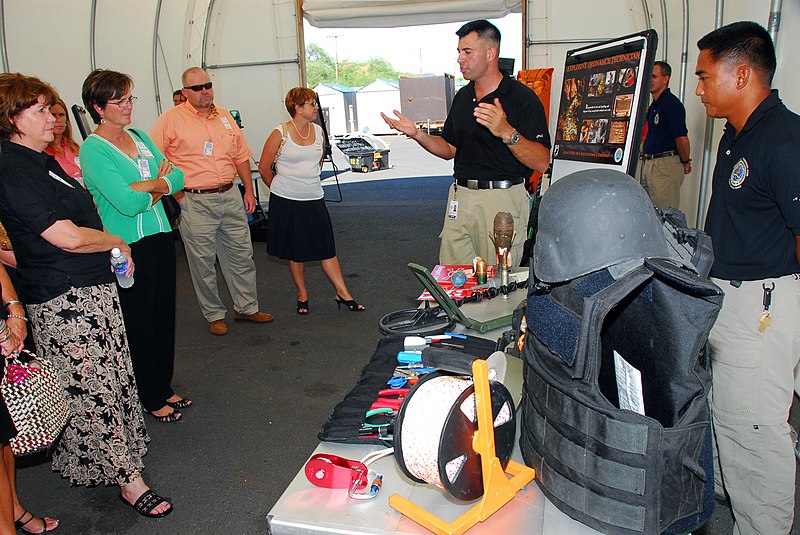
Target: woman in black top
62, 255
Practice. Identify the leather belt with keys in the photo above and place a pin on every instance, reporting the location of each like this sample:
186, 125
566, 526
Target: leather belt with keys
766, 319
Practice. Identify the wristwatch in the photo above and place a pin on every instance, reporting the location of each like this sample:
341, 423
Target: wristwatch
513, 140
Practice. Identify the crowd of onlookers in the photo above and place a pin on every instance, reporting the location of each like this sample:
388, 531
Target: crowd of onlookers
65, 206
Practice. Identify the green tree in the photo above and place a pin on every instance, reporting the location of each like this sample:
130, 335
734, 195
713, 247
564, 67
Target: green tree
320, 67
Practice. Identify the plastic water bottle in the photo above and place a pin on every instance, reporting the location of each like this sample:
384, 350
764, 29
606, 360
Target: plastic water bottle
120, 264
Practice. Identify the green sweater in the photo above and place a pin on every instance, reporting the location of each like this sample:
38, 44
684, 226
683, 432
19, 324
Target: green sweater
108, 173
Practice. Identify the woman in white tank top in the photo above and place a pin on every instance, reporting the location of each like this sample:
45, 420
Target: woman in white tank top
299, 227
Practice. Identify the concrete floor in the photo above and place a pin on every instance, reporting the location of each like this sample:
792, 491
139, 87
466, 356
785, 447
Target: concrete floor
263, 391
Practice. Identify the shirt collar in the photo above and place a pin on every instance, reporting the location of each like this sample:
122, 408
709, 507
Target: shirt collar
501, 89
7, 146
772, 101
666, 90
193, 110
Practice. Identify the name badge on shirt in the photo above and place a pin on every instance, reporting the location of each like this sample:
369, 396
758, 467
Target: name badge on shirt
77, 162
144, 168
226, 123
143, 150
208, 148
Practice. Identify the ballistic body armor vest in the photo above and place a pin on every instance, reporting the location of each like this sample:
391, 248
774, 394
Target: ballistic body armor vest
613, 469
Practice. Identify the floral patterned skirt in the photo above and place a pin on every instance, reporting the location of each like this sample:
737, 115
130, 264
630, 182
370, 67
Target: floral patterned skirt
83, 333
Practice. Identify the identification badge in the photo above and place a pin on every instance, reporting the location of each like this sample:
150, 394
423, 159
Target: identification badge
143, 150
226, 123
452, 212
208, 148
77, 162
144, 168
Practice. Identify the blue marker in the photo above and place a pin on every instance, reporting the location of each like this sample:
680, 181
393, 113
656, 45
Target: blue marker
456, 335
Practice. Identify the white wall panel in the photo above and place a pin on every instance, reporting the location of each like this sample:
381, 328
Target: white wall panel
51, 39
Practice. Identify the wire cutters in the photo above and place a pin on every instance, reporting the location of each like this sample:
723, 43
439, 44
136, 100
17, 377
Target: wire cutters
390, 398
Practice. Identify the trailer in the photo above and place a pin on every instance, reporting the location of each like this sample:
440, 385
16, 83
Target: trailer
426, 100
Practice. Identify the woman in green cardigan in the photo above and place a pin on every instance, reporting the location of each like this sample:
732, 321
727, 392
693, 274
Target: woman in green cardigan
127, 176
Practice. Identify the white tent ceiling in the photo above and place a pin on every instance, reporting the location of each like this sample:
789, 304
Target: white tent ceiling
395, 13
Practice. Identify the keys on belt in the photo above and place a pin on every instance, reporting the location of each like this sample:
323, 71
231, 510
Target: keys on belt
221, 189
474, 183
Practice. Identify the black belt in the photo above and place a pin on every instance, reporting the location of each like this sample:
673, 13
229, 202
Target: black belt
660, 155
221, 189
474, 183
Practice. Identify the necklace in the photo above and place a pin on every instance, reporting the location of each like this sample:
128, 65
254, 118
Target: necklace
308, 128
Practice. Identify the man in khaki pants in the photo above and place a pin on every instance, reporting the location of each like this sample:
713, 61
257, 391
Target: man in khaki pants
754, 223
666, 147
203, 140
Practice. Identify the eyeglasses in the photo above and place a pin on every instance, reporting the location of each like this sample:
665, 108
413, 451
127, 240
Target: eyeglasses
124, 101
310, 103
200, 87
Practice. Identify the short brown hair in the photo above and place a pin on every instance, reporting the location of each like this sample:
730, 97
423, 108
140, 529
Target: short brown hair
18, 93
298, 96
101, 86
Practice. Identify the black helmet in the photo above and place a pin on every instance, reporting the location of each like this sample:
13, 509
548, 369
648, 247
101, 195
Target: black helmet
591, 220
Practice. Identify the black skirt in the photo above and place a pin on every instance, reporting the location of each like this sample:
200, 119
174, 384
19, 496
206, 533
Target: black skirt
300, 231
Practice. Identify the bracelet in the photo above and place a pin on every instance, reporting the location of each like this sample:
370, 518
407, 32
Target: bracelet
12, 302
9, 334
23, 318
684, 162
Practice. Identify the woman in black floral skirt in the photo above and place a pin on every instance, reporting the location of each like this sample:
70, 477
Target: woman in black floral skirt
62, 255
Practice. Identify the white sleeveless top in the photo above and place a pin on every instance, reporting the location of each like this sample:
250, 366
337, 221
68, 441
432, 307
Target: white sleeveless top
298, 169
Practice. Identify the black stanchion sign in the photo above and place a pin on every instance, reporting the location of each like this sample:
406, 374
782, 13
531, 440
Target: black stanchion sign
603, 102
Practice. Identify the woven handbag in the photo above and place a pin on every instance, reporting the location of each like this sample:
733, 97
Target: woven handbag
35, 401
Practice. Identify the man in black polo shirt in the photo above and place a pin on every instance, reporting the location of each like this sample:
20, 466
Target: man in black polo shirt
754, 222
497, 132
666, 146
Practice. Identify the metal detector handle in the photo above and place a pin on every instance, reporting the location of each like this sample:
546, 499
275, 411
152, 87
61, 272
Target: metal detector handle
448, 360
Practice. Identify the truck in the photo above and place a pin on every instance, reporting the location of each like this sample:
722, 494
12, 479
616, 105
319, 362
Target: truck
426, 99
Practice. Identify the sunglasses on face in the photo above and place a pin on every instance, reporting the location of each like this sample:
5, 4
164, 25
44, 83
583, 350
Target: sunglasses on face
200, 87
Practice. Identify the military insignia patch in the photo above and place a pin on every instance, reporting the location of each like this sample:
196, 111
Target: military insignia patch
739, 174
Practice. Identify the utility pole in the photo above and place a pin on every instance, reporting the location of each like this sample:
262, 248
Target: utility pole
336, 46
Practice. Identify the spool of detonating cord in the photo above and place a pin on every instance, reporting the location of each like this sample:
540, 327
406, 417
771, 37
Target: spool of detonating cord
434, 433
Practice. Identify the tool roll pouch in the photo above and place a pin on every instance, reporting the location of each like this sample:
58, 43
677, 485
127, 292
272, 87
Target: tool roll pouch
348, 416
616, 470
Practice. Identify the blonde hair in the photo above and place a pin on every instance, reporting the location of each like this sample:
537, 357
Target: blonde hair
67, 135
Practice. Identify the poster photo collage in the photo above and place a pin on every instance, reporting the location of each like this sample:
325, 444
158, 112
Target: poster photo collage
595, 111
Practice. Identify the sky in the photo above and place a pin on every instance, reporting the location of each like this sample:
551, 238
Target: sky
414, 49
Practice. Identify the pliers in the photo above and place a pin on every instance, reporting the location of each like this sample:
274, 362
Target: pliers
390, 398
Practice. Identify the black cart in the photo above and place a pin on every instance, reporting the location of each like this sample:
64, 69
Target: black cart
363, 155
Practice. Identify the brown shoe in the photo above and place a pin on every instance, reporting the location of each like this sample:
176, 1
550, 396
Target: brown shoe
218, 328
256, 317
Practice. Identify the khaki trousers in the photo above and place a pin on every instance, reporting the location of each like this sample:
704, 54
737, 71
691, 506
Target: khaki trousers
662, 178
752, 390
469, 234
214, 225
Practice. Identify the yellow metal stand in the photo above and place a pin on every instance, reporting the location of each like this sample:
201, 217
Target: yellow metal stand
498, 489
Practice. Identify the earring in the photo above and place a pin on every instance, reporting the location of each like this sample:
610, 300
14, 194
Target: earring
102, 120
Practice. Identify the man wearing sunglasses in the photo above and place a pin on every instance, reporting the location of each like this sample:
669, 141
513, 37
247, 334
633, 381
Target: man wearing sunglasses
203, 140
